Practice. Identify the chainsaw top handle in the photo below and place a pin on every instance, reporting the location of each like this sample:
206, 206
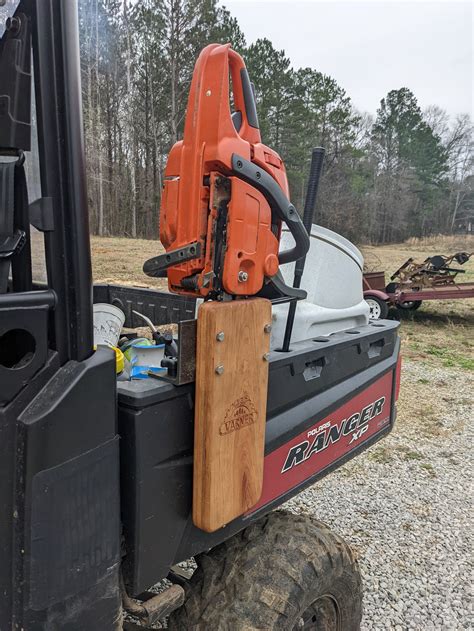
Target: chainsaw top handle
247, 127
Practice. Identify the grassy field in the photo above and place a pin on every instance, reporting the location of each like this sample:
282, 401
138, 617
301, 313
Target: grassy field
437, 339
437, 335
440, 333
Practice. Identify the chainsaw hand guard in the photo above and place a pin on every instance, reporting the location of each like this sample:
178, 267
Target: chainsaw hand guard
225, 193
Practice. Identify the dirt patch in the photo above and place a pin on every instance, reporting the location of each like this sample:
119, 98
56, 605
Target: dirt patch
120, 260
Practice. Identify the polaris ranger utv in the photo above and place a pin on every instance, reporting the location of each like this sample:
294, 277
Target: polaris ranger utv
107, 486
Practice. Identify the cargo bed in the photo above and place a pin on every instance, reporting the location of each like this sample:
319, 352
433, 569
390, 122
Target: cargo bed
328, 400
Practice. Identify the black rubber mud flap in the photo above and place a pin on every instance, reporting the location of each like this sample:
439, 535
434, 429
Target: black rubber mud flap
74, 525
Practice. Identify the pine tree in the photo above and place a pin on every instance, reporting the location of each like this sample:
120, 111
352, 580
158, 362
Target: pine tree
412, 163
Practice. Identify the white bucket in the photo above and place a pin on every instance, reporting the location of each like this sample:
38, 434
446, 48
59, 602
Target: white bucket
108, 323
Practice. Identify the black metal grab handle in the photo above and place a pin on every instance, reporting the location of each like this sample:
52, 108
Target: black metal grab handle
315, 170
279, 203
317, 160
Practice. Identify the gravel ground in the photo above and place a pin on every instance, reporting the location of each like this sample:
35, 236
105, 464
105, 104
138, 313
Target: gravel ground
405, 508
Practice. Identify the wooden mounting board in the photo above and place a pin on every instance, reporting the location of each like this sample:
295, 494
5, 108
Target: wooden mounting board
230, 409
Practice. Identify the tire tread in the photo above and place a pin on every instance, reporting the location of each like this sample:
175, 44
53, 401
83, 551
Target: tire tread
259, 578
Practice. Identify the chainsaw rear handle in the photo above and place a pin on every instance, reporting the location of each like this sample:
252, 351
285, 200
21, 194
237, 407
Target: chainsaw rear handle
279, 203
244, 98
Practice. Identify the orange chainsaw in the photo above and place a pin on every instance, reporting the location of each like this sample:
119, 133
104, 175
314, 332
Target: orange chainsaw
225, 194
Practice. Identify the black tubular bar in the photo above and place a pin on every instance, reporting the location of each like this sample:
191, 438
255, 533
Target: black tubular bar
317, 159
25, 299
61, 152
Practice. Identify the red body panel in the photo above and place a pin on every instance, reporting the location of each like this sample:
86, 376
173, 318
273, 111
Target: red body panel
315, 449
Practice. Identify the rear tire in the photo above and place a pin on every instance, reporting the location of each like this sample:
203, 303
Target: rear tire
282, 572
378, 308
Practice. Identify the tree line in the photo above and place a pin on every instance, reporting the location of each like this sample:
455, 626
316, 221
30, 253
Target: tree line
404, 173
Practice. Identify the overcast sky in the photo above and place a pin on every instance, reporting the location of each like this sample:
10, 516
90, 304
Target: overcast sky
371, 47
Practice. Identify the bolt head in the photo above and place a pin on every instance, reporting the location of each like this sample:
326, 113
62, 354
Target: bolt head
266, 357
220, 336
267, 328
219, 369
13, 24
243, 276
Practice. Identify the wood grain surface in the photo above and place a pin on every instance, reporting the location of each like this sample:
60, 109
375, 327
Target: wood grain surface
230, 411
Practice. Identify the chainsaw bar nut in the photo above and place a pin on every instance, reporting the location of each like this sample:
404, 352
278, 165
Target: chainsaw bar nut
243, 276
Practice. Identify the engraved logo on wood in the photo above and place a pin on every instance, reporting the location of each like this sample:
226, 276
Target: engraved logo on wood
241, 413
